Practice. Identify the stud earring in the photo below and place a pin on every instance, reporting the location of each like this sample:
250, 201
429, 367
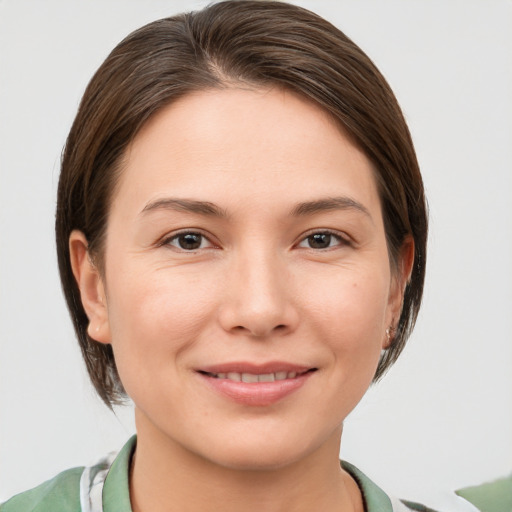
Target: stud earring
390, 334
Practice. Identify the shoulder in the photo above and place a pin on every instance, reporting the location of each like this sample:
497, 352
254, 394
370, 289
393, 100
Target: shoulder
60, 494
375, 499
102, 486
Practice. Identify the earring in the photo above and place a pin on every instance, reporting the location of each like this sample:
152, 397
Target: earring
390, 334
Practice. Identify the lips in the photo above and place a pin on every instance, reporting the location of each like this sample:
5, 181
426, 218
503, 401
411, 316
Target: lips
255, 385
254, 377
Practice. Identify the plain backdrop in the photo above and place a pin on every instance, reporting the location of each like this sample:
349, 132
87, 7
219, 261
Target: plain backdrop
442, 417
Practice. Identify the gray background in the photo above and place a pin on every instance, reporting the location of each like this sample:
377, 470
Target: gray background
442, 418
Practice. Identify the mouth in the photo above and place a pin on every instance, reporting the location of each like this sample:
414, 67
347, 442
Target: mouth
257, 377
253, 385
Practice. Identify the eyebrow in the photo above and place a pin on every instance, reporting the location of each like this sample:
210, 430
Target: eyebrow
185, 205
211, 209
329, 203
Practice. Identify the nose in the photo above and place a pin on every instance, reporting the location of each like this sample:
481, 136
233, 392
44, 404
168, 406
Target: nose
258, 298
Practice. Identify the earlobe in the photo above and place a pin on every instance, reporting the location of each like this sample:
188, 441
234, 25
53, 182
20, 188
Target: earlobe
91, 286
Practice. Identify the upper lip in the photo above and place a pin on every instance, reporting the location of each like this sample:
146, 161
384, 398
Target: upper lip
255, 369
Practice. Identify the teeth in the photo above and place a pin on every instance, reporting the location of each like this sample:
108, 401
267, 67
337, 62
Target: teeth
251, 377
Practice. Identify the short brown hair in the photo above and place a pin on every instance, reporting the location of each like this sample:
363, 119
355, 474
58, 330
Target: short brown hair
261, 43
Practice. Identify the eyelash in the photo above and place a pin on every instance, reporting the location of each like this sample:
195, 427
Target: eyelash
341, 240
175, 237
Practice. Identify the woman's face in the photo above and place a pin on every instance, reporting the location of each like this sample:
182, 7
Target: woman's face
245, 243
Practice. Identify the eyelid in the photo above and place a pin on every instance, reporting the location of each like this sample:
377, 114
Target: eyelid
166, 239
341, 236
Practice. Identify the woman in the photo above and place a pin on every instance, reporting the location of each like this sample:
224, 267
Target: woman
241, 229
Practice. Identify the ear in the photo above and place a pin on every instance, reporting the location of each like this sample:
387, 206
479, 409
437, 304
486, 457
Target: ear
92, 289
400, 276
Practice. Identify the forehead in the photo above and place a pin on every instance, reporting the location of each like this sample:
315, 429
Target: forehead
262, 144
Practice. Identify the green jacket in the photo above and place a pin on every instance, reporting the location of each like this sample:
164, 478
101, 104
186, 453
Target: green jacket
104, 488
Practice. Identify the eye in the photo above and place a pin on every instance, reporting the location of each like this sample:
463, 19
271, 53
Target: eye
189, 241
322, 240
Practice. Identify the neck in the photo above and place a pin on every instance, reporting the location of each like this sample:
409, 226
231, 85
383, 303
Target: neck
166, 477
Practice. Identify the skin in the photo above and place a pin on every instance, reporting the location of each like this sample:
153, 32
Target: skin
255, 290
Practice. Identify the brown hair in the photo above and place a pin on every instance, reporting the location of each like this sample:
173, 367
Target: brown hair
235, 42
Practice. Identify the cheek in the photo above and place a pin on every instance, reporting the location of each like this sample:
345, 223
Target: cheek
350, 315
154, 316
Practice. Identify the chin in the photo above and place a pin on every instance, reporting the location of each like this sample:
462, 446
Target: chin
265, 452
263, 459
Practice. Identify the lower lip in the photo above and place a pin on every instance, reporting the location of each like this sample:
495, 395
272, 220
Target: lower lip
256, 393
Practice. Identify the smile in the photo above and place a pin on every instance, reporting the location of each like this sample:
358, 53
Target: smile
251, 385
254, 377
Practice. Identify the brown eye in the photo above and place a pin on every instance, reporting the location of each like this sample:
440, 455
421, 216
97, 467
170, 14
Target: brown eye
321, 240
188, 241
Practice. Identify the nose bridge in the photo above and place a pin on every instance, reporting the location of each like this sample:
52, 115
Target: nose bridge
259, 299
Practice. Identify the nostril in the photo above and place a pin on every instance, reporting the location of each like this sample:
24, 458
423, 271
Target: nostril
241, 328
